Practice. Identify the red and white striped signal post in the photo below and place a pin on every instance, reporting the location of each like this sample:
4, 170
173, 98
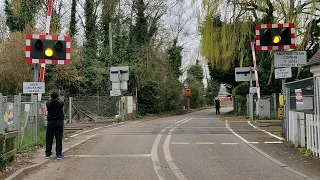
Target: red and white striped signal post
255, 69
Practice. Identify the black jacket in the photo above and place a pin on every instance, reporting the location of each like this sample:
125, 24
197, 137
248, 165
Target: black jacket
55, 109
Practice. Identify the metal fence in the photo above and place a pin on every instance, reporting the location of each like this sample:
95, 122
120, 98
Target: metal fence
242, 105
26, 115
306, 86
302, 114
23, 114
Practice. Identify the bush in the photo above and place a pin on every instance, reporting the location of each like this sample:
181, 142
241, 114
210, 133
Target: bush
241, 89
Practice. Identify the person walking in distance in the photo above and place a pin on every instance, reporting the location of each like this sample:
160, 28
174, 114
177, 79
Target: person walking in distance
55, 119
217, 101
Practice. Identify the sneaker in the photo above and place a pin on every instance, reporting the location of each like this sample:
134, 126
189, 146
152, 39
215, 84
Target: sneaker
60, 157
47, 157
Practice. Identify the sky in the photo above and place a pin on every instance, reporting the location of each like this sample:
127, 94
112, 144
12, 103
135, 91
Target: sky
189, 38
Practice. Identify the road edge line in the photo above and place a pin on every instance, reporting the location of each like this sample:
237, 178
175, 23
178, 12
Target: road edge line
266, 155
269, 133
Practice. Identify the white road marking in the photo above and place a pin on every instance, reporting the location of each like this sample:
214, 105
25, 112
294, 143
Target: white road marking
154, 151
280, 138
234, 133
154, 156
229, 143
111, 156
274, 142
265, 154
167, 155
169, 160
74, 145
179, 143
95, 129
204, 143
253, 142
206, 118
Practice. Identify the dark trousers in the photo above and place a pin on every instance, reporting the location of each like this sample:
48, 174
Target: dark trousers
218, 110
54, 129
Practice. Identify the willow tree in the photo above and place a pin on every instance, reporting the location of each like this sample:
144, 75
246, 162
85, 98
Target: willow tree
226, 44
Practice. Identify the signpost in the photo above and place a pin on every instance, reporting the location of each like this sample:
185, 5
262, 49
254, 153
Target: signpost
247, 74
290, 58
282, 73
33, 87
119, 77
188, 94
243, 74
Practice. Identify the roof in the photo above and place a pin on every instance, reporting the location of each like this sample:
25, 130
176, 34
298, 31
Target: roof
315, 60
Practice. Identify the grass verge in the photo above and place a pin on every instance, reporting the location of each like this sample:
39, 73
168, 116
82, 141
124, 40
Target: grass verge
29, 144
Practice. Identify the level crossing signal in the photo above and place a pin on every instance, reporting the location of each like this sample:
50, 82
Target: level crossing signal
275, 36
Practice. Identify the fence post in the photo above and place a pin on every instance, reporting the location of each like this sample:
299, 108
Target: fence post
251, 106
318, 134
70, 110
16, 114
2, 124
312, 135
286, 116
308, 116
275, 104
248, 105
34, 99
302, 133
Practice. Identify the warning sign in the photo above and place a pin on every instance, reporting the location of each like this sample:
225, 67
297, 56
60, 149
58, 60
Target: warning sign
299, 97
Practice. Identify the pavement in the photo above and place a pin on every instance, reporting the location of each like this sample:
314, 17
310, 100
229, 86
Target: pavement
192, 146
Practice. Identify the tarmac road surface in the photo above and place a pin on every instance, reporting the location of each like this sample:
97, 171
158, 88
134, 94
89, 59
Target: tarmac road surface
196, 146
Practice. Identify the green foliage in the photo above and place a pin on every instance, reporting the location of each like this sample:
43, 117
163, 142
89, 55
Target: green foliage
154, 66
90, 46
223, 76
225, 42
196, 72
197, 95
241, 89
73, 21
175, 58
55, 21
194, 82
20, 13
212, 91
140, 30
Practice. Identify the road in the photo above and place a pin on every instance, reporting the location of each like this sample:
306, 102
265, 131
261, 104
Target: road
196, 146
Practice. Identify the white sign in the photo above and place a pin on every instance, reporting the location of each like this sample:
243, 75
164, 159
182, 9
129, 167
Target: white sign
290, 58
33, 88
27, 107
253, 90
283, 73
124, 85
124, 73
115, 93
243, 74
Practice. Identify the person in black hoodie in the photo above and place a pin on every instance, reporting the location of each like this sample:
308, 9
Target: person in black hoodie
217, 101
55, 119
